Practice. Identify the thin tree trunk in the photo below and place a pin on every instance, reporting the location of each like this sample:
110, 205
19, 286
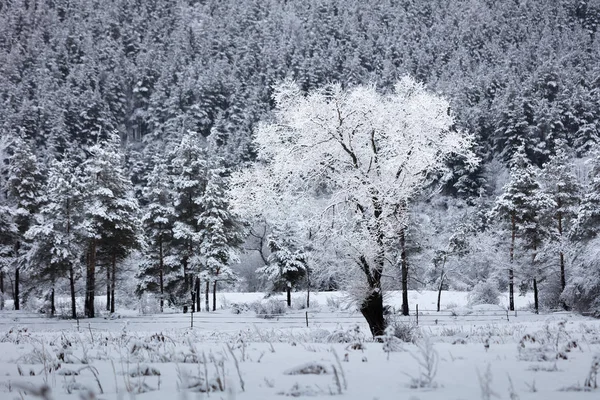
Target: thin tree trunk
561, 257
215, 295
404, 262
511, 272
17, 271
72, 289
91, 281
439, 299
535, 296
197, 289
113, 284
108, 286
52, 305
207, 295
161, 274
307, 287
16, 297
2, 289
288, 290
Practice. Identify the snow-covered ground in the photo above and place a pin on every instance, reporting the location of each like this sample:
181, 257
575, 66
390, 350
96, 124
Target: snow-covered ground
481, 352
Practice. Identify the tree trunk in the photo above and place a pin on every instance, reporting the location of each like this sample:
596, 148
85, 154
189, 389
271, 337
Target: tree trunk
72, 289
91, 281
215, 295
439, 299
288, 290
207, 295
307, 287
108, 286
16, 294
561, 257
535, 296
404, 262
197, 289
372, 310
161, 274
2, 289
113, 284
52, 304
17, 271
511, 272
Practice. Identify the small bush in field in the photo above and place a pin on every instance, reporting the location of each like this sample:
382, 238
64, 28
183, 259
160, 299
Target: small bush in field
269, 308
485, 292
407, 332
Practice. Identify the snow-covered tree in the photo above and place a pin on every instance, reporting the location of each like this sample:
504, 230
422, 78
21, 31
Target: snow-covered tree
157, 220
561, 184
189, 174
57, 243
111, 216
221, 231
287, 265
524, 206
24, 194
348, 163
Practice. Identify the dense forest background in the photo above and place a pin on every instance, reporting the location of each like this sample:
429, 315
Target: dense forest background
161, 98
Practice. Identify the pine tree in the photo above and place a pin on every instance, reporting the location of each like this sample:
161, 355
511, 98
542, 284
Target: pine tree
560, 183
57, 242
287, 265
524, 205
111, 216
158, 220
189, 169
8, 234
24, 193
220, 229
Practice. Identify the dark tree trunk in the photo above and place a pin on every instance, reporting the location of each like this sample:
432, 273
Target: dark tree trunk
113, 284
439, 299
197, 290
215, 295
161, 274
289, 296
52, 304
372, 310
17, 279
72, 290
561, 257
206, 296
91, 281
1, 281
16, 294
108, 287
307, 287
404, 262
535, 296
511, 272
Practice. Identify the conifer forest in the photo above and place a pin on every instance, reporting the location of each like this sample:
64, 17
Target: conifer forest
169, 150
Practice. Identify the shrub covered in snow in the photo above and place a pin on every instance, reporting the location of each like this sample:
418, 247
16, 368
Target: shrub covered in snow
485, 292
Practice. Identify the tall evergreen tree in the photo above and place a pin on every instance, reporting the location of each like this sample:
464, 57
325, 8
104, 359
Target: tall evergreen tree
111, 216
560, 183
189, 170
221, 231
24, 192
524, 205
158, 220
58, 245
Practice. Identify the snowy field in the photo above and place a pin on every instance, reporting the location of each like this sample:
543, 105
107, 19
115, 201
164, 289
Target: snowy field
463, 352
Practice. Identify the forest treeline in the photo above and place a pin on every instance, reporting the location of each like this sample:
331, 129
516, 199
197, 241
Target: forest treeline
121, 120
